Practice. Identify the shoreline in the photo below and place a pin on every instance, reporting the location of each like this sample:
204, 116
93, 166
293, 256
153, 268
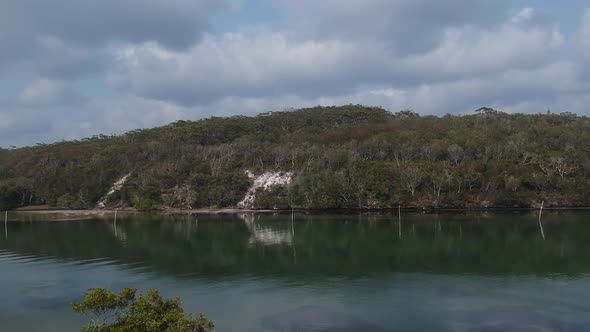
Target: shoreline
48, 214
28, 214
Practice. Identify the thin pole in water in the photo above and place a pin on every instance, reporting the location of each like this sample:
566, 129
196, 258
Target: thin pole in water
115, 223
540, 224
6, 224
399, 220
293, 233
292, 226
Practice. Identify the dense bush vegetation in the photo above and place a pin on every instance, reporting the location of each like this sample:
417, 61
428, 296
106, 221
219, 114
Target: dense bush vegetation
342, 157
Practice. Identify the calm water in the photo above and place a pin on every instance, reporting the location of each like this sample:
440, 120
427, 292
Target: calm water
452, 272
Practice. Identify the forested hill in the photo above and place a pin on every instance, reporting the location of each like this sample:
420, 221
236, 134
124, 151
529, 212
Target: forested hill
339, 157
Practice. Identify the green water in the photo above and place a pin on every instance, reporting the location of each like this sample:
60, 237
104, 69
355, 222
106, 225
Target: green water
315, 272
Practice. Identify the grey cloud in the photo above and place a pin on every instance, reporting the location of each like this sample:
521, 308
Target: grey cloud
582, 49
29, 125
22, 126
52, 57
173, 23
68, 61
68, 38
407, 26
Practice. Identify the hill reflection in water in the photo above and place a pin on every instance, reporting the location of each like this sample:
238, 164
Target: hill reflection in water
351, 245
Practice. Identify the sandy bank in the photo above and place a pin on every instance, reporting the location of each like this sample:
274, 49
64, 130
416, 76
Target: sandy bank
34, 214
48, 214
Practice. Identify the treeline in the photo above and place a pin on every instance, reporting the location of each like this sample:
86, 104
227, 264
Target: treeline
341, 157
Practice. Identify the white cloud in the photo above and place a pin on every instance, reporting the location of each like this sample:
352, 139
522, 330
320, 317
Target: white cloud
270, 64
118, 115
239, 65
523, 16
472, 52
41, 92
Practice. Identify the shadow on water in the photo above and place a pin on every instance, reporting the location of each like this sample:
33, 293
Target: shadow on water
534, 327
324, 319
317, 319
519, 319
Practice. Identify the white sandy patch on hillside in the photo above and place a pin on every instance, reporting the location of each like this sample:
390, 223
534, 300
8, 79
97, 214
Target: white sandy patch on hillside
114, 188
265, 181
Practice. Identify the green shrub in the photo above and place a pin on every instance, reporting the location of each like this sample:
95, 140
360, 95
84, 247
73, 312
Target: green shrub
276, 197
15, 193
225, 189
511, 199
125, 311
66, 201
146, 204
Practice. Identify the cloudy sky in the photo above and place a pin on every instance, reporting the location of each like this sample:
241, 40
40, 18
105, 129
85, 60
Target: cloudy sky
75, 68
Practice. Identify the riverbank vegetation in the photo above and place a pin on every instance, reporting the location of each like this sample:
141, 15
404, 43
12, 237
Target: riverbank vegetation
341, 157
128, 311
